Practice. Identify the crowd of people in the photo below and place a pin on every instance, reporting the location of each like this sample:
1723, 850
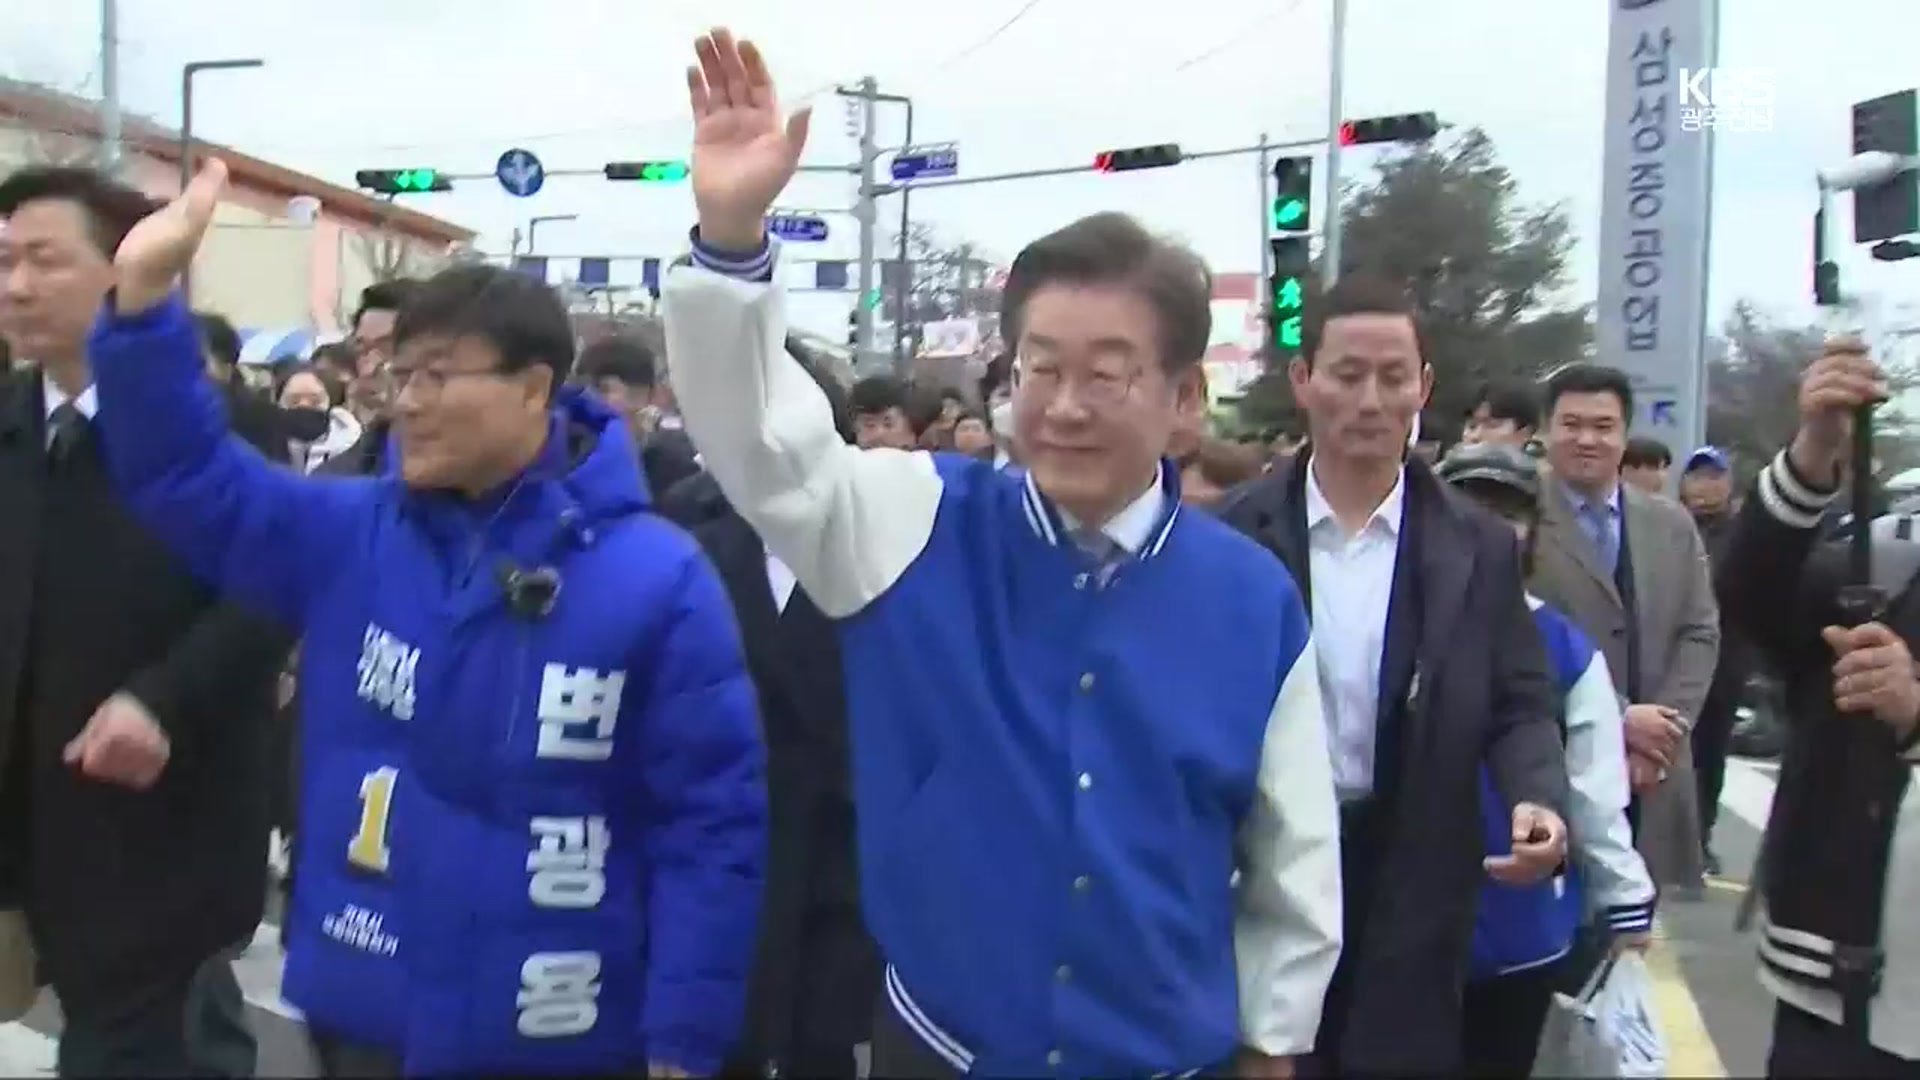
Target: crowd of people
681, 710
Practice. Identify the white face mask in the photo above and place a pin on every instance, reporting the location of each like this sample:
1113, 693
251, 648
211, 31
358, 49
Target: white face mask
1002, 418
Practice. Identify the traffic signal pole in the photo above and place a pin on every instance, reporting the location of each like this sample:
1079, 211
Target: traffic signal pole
865, 213
1336, 115
1266, 213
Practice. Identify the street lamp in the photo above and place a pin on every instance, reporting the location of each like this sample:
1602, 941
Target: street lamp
533, 227
186, 125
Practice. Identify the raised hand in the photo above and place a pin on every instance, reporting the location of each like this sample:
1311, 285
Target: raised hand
161, 247
744, 150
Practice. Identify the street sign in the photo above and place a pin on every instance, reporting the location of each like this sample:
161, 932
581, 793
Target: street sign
520, 173
926, 162
830, 275
534, 266
803, 230
595, 273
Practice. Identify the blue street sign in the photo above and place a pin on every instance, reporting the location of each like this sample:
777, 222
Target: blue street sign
804, 230
534, 266
594, 273
926, 162
650, 275
1663, 414
829, 275
520, 173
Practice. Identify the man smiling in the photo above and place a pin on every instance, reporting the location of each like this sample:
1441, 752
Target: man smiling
1075, 709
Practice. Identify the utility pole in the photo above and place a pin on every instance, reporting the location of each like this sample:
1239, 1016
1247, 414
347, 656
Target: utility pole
1336, 116
110, 86
1266, 212
903, 278
865, 212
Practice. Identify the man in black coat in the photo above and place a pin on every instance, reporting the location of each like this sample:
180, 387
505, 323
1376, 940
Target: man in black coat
1430, 667
133, 708
621, 369
254, 416
817, 974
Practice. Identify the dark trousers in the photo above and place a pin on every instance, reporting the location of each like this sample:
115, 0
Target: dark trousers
191, 1025
1712, 735
1804, 1045
1501, 1018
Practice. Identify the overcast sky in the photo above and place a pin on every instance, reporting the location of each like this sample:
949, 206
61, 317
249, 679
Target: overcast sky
1019, 84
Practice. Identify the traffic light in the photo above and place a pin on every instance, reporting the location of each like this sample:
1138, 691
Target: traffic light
1884, 211
651, 171
1292, 194
853, 328
1287, 298
1406, 127
1140, 157
402, 181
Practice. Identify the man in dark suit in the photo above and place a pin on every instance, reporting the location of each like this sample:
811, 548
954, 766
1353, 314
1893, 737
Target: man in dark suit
133, 709
817, 972
1430, 668
622, 371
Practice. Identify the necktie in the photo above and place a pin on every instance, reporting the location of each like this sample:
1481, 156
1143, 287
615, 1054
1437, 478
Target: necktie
1599, 519
65, 425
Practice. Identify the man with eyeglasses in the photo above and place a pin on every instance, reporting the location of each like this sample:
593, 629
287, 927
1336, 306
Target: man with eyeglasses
533, 814
1079, 714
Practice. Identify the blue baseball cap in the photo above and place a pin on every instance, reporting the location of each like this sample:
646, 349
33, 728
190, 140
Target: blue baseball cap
1708, 457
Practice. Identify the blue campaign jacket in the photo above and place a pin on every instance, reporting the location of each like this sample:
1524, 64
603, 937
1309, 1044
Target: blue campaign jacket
1519, 927
1059, 763
529, 844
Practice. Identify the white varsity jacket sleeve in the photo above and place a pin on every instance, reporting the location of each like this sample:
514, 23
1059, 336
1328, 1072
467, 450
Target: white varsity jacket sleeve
849, 522
1286, 931
1598, 790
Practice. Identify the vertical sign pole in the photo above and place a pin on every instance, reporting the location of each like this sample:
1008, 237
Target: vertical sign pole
1336, 115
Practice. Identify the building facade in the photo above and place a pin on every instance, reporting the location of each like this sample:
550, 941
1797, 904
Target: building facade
288, 253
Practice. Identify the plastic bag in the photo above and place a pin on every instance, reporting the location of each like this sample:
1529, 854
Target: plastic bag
1609, 1030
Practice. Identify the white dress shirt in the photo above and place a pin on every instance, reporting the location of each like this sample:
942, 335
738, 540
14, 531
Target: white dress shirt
1133, 526
781, 580
88, 402
1352, 585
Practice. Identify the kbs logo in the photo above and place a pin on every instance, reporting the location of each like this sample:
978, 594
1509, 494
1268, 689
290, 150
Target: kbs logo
1726, 99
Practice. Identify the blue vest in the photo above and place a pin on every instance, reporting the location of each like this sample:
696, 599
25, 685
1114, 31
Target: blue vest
1051, 770
1518, 927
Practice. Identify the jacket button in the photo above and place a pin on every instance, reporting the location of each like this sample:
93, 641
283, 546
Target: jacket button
1063, 973
1086, 681
1080, 580
1054, 1058
1086, 781
1082, 883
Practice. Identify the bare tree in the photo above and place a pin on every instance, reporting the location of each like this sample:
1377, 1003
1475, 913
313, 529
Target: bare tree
388, 256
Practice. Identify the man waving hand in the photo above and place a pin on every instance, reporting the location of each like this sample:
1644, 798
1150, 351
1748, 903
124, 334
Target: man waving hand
1075, 710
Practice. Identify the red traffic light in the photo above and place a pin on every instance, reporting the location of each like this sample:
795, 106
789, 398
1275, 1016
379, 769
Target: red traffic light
1139, 157
1406, 127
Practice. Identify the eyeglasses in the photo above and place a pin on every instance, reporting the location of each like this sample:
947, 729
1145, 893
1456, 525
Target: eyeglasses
427, 382
1100, 388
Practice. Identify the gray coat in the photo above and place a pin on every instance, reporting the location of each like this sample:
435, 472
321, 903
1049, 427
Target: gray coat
1679, 631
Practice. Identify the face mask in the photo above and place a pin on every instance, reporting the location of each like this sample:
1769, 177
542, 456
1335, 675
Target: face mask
306, 425
1002, 416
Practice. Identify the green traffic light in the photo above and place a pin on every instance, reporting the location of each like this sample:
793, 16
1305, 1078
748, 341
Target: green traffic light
1289, 213
1288, 297
664, 171
414, 179
873, 298
1290, 332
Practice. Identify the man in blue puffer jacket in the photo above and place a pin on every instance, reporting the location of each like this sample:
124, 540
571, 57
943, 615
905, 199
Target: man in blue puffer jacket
1522, 934
533, 814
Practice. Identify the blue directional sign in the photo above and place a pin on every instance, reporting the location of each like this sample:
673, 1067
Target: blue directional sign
520, 173
926, 162
595, 273
534, 266
805, 230
1663, 414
